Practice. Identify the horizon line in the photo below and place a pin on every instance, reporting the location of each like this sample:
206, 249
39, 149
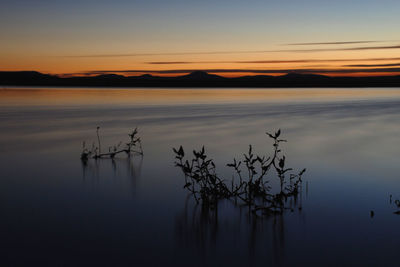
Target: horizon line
381, 72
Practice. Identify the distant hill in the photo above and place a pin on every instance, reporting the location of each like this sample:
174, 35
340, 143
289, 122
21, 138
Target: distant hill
194, 79
200, 76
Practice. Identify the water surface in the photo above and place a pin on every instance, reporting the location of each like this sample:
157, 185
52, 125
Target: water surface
57, 212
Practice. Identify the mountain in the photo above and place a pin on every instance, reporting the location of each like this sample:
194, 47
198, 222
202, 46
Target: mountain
200, 76
194, 79
295, 75
25, 78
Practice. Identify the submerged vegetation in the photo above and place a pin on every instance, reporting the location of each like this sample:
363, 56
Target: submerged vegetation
249, 184
134, 145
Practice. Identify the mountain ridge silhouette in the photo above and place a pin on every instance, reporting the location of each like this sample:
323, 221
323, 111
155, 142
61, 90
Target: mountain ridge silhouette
194, 79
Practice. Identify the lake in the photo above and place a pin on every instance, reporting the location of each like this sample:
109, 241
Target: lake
56, 211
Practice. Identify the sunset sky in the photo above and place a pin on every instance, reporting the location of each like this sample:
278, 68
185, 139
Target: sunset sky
226, 37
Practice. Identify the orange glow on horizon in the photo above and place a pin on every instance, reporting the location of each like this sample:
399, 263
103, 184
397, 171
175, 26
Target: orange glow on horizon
242, 74
328, 63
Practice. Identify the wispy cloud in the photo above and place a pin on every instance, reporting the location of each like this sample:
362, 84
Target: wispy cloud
373, 65
270, 61
336, 43
166, 54
177, 62
236, 52
360, 48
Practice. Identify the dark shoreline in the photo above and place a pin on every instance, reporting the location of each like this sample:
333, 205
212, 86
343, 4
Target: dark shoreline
196, 79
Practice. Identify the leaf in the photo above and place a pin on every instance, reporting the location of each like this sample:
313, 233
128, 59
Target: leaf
270, 135
181, 152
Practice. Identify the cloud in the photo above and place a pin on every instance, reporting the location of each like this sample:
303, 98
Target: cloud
270, 61
165, 54
336, 43
361, 48
236, 52
373, 65
172, 62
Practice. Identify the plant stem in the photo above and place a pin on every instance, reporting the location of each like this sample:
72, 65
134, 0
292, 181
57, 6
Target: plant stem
98, 138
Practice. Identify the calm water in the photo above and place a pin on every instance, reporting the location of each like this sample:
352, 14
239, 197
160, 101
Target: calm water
56, 212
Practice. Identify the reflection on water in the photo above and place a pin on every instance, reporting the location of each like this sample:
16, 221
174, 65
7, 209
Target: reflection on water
124, 171
152, 96
199, 228
54, 211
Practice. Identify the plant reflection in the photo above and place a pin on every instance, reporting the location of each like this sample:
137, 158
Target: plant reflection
199, 228
100, 170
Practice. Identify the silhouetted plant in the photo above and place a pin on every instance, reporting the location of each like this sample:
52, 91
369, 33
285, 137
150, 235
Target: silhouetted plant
200, 177
134, 145
397, 203
252, 188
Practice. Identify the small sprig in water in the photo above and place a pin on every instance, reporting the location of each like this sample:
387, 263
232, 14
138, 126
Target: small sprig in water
134, 145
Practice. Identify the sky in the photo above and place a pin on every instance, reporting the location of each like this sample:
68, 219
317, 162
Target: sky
226, 37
